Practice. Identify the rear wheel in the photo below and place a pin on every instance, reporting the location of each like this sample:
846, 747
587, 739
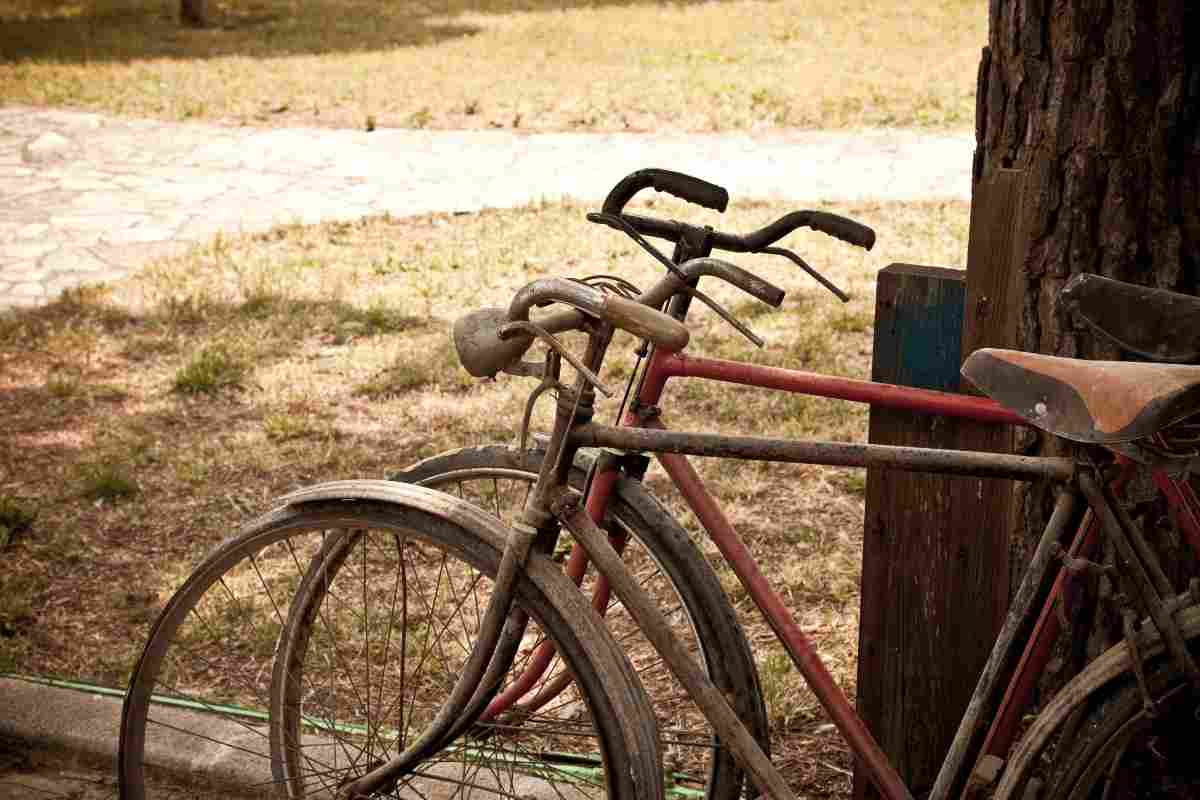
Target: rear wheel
1096, 740
368, 669
672, 570
1124, 751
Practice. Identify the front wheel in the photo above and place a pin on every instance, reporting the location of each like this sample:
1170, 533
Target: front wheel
671, 569
361, 676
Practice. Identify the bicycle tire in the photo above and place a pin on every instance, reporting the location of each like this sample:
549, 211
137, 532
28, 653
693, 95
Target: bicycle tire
1100, 733
224, 750
711, 628
1122, 752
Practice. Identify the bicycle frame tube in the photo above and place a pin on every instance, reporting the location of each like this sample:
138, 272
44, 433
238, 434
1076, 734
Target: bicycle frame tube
597, 503
663, 366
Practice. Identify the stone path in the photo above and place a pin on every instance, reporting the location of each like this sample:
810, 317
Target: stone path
87, 198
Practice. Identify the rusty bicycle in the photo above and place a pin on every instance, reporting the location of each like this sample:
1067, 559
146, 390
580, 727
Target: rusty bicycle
420, 643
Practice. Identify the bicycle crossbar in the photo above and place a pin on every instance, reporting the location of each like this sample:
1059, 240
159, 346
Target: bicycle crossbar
836, 454
905, 398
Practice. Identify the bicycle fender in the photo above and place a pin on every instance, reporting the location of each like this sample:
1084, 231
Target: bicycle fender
1111, 664
448, 507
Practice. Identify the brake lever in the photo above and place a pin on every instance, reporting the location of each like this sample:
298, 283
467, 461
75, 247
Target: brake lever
800, 262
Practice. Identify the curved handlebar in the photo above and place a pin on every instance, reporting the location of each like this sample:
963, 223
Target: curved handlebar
483, 351
839, 227
685, 187
642, 321
710, 195
745, 280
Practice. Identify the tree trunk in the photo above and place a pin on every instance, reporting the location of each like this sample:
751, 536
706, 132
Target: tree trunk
1098, 102
194, 13
1091, 109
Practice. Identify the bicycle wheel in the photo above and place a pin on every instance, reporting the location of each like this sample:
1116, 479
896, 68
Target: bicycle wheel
1124, 751
1096, 740
371, 668
669, 566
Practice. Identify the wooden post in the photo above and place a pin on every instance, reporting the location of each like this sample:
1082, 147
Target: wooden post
936, 551
928, 586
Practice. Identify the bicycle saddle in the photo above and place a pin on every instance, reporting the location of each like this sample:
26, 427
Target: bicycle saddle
1153, 323
1097, 402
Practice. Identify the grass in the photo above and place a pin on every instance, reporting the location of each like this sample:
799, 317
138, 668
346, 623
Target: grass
514, 64
15, 518
337, 337
106, 481
210, 370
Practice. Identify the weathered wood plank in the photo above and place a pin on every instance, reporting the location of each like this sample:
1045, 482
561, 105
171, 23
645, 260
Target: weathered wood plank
916, 560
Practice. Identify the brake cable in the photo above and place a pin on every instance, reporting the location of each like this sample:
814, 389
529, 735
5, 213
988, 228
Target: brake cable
800, 262
633, 233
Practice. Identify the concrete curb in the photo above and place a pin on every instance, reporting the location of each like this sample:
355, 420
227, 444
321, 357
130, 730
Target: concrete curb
231, 756
65, 720
85, 726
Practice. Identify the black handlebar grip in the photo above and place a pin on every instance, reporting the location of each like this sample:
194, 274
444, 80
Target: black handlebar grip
685, 187
842, 228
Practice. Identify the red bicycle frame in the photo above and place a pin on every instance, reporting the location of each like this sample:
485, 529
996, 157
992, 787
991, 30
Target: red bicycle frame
663, 366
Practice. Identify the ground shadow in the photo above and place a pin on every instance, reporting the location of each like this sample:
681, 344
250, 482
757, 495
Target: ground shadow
123, 30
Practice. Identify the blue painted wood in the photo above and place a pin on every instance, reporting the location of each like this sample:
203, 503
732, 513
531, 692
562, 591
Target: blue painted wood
925, 586
918, 326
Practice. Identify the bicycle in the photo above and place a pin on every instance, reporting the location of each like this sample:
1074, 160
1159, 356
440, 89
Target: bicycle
481, 713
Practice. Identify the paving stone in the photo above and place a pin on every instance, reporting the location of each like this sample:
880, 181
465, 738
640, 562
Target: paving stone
31, 272
48, 146
32, 230
85, 184
99, 222
74, 260
27, 289
18, 249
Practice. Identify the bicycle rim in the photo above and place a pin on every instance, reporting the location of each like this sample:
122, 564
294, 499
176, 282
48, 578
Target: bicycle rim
1125, 752
1093, 739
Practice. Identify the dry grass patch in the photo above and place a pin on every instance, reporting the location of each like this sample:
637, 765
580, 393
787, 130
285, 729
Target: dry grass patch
620, 65
344, 369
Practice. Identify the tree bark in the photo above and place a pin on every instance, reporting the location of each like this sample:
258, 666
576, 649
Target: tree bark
1095, 106
194, 13
1098, 102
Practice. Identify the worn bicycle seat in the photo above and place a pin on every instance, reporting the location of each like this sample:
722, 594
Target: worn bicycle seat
1153, 323
1100, 402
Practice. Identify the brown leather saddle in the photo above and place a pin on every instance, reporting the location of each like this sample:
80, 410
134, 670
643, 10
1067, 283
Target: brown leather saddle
1156, 324
1097, 402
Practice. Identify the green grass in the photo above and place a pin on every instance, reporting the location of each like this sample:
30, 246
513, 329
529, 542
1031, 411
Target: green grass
515, 64
16, 517
107, 480
211, 369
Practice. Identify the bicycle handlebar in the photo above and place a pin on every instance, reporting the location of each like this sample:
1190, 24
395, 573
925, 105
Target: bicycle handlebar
484, 350
709, 195
835, 225
732, 274
640, 320
685, 187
